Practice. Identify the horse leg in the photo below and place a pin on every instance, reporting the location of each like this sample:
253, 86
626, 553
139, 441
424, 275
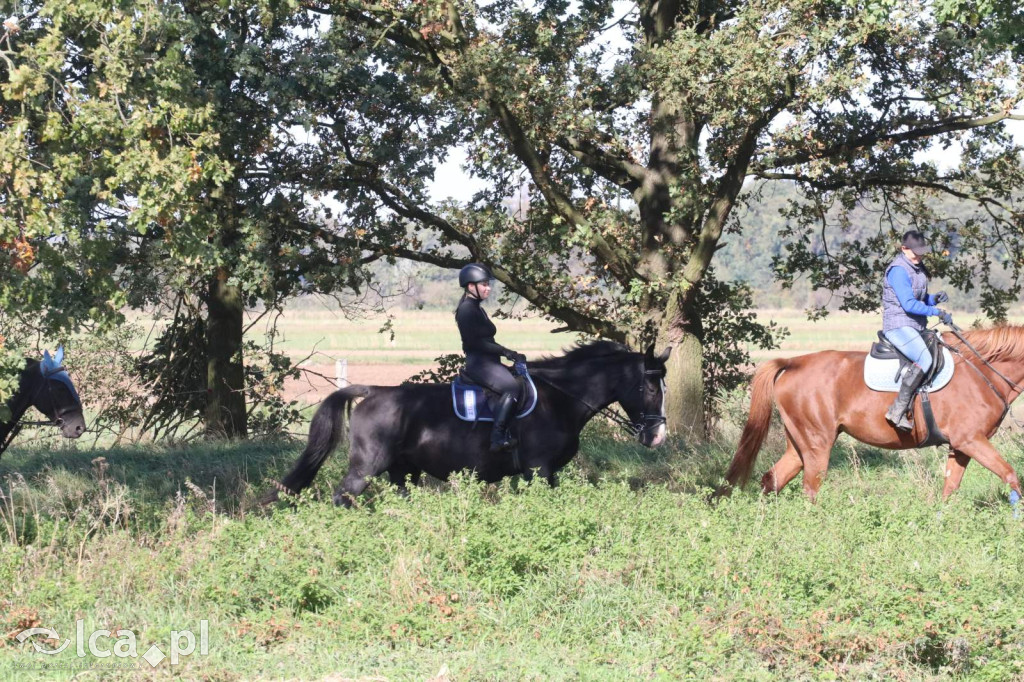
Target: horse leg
987, 456
784, 470
814, 450
813, 445
956, 464
350, 488
368, 457
815, 468
398, 474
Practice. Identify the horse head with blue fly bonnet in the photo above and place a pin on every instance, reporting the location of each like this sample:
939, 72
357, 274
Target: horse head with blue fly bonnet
45, 385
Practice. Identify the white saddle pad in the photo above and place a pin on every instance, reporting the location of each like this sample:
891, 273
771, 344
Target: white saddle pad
880, 375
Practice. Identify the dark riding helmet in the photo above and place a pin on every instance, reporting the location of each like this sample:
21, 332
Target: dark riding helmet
474, 273
916, 242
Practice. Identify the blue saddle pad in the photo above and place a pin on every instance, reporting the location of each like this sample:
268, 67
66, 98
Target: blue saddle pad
470, 401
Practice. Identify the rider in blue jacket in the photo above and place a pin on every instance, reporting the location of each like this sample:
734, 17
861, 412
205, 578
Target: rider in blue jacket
906, 306
483, 354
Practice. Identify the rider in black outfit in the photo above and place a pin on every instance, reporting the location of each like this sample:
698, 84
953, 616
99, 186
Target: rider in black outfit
483, 355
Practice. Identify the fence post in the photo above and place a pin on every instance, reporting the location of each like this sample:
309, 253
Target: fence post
341, 373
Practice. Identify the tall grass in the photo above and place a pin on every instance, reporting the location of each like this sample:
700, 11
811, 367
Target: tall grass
623, 572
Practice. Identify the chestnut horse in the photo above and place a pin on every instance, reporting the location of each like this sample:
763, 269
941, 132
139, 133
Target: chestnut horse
821, 395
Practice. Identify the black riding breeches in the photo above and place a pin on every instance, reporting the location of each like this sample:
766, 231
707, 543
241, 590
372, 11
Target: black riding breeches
487, 371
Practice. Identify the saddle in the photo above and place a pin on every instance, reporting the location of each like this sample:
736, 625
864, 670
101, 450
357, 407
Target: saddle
885, 365
884, 368
470, 398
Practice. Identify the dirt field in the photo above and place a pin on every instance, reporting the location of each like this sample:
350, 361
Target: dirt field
318, 379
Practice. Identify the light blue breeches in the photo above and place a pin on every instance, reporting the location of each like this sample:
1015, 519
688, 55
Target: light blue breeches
909, 342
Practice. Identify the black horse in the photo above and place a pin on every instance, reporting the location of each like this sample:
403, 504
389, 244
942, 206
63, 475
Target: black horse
411, 429
46, 386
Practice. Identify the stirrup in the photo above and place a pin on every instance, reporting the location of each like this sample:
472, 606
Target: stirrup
504, 444
901, 423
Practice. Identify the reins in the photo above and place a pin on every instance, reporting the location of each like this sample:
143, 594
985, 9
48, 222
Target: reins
635, 429
1017, 388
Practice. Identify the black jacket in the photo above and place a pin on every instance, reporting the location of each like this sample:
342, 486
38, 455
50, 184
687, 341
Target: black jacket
476, 329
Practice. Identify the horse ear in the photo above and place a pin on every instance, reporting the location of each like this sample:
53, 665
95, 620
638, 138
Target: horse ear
663, 356
58, 356
649, 353
47, 360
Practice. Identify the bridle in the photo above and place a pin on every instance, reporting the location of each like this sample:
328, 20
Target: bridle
636, 429
1017, 388
58, 413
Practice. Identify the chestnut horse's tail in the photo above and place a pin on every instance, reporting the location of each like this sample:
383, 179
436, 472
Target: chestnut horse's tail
762, 398
325, 432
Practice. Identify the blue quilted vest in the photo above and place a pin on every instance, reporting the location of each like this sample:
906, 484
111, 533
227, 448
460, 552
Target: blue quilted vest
893, 314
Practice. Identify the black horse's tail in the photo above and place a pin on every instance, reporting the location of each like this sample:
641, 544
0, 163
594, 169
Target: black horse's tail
325, 432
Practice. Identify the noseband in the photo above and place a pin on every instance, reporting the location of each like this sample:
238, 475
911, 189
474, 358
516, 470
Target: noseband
636, 429
649, 421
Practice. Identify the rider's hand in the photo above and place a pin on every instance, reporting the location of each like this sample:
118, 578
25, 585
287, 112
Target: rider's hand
514, 356
946, 318
941, 297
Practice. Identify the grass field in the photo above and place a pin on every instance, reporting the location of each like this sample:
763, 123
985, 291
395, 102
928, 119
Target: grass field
624, 572
419, 336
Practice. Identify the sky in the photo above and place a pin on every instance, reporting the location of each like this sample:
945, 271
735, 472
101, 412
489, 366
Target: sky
451, 182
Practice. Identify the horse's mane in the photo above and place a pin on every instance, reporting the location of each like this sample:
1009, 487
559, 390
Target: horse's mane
579, 353
997, 343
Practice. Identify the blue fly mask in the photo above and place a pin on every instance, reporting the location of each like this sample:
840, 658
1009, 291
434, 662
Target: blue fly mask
53, 369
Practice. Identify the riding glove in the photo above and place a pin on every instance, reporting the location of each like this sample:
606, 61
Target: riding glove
941, 297
514, 356
946, 318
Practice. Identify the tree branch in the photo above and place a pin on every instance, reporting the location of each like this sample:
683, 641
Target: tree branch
884, 182
928, 129
574, 319
729, 186
618, 260
626, 174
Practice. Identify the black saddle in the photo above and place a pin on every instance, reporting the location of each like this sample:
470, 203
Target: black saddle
884, 350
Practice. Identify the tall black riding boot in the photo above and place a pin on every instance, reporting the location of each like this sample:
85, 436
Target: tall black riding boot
897, 414
501, 438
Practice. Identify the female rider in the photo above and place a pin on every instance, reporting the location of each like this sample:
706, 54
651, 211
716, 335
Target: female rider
906, 305
483, 355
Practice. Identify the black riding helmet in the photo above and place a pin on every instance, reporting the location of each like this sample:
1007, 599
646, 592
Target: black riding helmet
473, 274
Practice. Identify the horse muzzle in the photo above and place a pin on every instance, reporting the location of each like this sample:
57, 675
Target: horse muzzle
652, 435
71, 425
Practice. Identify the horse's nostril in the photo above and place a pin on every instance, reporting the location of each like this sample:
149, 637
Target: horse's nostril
79, 429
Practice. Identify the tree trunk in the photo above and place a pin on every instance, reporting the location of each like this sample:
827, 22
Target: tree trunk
684, 400
225, 372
